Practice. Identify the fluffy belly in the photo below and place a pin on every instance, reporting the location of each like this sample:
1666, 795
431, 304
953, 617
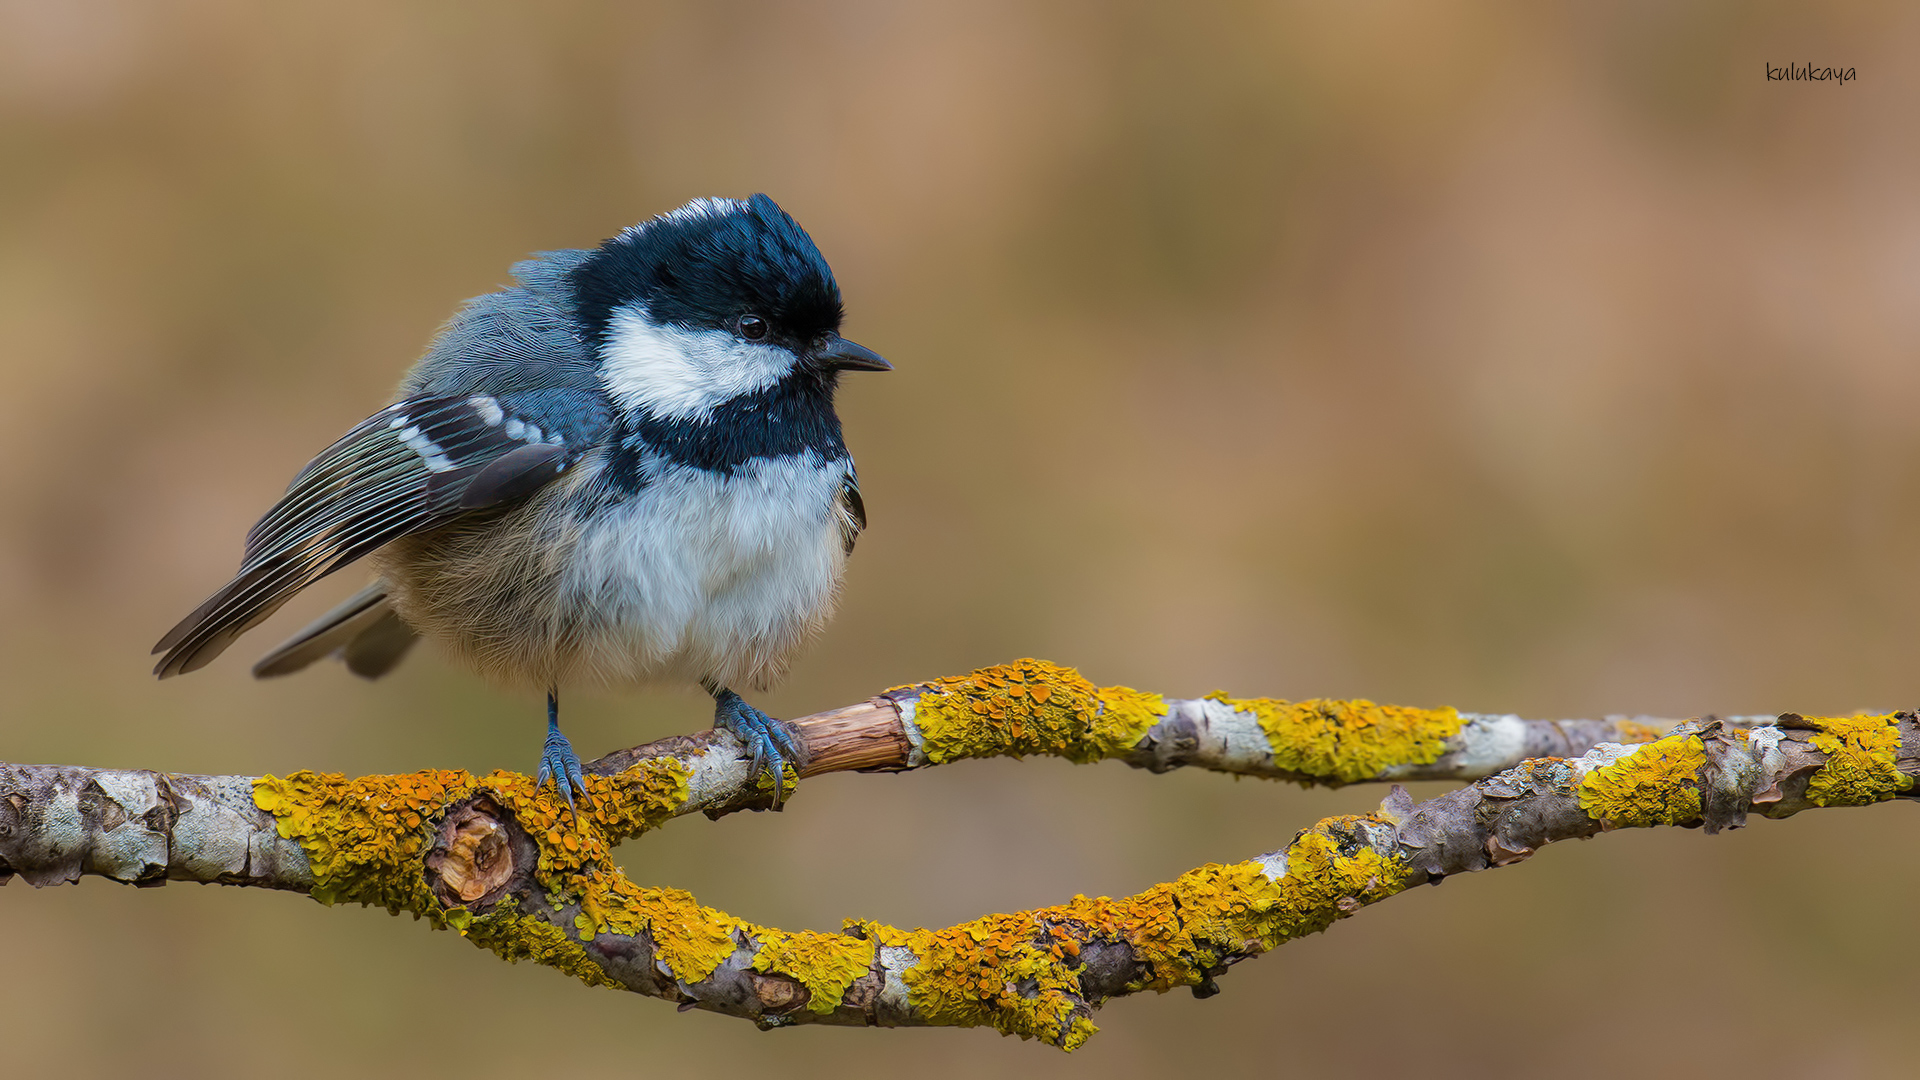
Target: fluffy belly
698, 576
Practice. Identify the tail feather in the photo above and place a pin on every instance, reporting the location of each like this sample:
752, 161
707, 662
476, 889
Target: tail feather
380, 647
194, 642
363, 630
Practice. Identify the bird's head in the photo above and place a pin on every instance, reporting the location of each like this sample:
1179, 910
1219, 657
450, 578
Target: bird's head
719, 299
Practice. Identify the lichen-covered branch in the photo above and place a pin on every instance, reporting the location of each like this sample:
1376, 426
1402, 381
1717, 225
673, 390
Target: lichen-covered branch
501, 863
1034, 708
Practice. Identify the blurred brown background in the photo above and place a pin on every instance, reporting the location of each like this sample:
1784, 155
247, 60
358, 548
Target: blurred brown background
1534, 358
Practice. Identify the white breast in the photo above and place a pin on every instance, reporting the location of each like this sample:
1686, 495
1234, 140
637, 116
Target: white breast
705, 575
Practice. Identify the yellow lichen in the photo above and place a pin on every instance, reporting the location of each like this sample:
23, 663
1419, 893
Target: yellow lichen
643, 797
1020, 972
576, 865
1344, 742
1033, 707
1017, 972
1862, 760
1331, 873
1030, 707
826, 964
1001, 971
515, 937
365, 840
1658, 784
1123, 719
690, 939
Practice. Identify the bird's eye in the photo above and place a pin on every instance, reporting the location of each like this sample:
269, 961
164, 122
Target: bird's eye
753, 327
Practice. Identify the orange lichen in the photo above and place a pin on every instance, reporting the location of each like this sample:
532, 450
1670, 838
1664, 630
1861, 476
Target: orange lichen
1862, 760
615, 808
364, 838
998, 971
1633, 731
1657, 784
1344, 742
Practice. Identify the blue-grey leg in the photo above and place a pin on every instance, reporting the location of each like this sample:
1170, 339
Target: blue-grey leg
771, 740
558, 759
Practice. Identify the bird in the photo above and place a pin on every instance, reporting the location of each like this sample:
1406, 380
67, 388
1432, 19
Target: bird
624, 469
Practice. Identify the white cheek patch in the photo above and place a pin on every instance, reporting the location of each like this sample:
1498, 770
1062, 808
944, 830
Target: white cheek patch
680, 374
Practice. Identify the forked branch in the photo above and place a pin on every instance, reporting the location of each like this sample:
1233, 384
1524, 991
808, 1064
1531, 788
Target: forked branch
505, 866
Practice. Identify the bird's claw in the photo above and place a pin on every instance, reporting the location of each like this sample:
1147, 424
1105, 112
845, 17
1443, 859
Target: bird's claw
771, 741
557, 760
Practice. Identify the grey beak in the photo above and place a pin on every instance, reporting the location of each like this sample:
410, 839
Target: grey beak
843, 355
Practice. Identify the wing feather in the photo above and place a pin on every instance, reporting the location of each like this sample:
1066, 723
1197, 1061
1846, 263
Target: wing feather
328, 634
407, 468
853, 511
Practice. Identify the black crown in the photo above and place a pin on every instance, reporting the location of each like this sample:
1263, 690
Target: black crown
708, 263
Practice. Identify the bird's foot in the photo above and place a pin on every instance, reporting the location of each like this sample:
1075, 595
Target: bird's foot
772, 741
560, 762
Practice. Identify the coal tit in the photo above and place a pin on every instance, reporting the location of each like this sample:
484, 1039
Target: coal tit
626, 469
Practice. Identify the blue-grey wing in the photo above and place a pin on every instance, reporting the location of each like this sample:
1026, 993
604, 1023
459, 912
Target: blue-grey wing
503, 403
416, 465
518, 339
